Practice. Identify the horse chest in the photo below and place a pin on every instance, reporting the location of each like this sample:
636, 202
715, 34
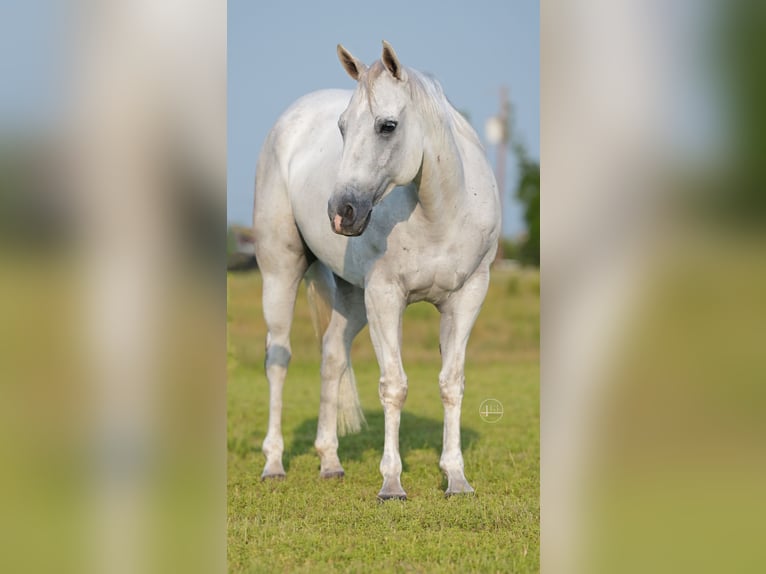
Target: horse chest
430, 275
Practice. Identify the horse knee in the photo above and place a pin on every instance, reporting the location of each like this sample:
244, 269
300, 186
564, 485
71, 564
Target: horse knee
276, 365
278, 352
451, 389
393, 390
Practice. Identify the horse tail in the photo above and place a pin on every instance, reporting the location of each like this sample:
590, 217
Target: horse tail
320, 285
350, 414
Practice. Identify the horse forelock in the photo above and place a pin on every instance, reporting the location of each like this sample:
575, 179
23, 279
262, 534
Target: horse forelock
367, 81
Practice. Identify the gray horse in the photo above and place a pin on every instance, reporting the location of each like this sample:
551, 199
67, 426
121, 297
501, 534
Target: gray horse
386, 194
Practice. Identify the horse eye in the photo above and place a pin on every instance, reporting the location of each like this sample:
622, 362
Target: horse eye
341, 127
387, 127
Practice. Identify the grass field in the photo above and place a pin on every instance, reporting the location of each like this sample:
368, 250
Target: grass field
305, 524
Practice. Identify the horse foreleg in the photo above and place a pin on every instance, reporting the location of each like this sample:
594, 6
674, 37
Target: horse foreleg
458, 316
385, 305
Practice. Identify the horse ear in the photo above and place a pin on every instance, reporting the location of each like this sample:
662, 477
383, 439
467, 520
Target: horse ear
391, 62
353, 67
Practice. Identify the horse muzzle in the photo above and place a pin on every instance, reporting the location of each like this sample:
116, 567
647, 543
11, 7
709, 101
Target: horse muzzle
349, 215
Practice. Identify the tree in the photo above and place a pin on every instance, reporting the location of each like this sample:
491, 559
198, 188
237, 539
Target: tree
500, 132
528, 193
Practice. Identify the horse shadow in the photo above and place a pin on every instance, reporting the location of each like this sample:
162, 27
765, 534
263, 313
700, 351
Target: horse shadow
415, 433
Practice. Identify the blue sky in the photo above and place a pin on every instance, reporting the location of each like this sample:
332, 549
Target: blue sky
278, 51
30, 64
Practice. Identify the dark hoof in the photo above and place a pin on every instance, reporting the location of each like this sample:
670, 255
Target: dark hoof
449, 494
382, 497
276, 476
332, 474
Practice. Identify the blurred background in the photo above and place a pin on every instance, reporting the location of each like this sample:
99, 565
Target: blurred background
112, 242
112, 229
652, 258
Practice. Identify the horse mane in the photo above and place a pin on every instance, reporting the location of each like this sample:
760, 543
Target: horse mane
427, 93
429, 96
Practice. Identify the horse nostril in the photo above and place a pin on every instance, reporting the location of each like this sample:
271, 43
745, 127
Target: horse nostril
348, 211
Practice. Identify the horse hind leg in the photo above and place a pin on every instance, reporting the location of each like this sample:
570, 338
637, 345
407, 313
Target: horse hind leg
282, 260
280, 287
339, 400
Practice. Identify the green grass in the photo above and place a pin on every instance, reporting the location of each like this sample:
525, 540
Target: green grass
305, 524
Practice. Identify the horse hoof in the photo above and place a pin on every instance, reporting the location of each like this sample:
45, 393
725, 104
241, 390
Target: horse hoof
383, 496
462, 489
332, 474
272, 476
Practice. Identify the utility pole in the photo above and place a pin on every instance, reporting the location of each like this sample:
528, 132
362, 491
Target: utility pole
498, 133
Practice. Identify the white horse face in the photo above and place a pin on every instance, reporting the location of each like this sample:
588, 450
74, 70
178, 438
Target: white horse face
382, 142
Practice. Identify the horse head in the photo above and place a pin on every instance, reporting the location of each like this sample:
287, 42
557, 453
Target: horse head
382, 140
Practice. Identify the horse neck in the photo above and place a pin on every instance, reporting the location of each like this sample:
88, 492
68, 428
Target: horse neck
441, 186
